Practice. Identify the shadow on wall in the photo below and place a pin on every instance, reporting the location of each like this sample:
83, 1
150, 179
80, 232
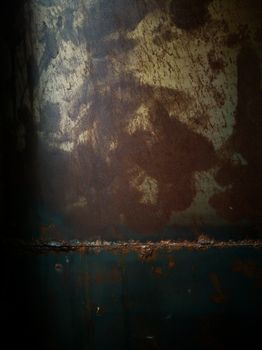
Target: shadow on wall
18, 134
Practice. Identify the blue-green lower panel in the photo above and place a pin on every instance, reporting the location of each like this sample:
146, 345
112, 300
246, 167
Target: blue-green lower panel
186, 299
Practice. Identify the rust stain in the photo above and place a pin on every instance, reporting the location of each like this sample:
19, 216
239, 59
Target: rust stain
171, 262
148, 254
59, 267
133, 106
247, 268
145, 251
157, 270
216, 62
238, 38
160, 161
219, 297
114, 276
189, 14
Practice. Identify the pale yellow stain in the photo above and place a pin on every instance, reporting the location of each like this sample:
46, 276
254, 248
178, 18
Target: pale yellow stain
147, 186
64, 146
89, 135
237, 158
61, 83
80, 203
122, 219
140, 120
113, 145
200, 211
182, 65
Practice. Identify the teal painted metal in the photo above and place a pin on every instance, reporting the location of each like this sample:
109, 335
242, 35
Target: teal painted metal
183, 300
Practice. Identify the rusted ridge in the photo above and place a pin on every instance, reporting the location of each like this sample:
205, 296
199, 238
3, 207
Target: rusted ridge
76, 245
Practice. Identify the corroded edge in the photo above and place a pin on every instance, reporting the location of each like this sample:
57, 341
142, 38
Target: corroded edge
144, 249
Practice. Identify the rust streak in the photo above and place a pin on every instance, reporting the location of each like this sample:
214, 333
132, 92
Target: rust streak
144, 249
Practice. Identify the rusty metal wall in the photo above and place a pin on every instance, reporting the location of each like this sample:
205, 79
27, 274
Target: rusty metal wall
137, 119
125, 121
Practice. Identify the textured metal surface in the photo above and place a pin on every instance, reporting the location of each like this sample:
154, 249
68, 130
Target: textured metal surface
167, 300
137, 119
125, 121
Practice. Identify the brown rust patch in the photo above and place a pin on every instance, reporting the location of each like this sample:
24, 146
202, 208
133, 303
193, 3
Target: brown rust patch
237, 38
219, 297
111, 276
189, 14
168, 35
201, 120
171, 262
247, 268
170, 155
167, 153
157, 270
220, 99
215, 61
143, 250
148, 254
59, 267
241, 199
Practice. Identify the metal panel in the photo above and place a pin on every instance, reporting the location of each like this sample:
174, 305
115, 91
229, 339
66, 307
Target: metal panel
186, 299
131, 163
138, 119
